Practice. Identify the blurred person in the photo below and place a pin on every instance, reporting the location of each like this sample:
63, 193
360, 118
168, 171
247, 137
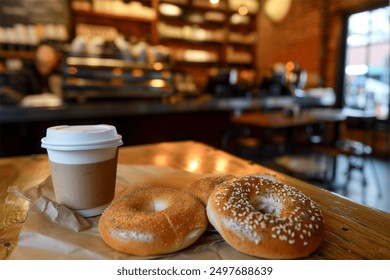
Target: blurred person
33, 78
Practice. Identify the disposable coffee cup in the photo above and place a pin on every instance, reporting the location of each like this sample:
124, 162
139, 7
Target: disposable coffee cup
83, 163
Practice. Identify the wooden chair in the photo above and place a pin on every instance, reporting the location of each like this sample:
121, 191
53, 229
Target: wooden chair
358, 152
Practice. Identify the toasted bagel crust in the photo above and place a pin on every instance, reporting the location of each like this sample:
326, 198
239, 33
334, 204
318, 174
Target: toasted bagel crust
153, 221
203, 187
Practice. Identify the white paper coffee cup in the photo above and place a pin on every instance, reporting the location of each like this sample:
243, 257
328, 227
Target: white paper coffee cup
83, 161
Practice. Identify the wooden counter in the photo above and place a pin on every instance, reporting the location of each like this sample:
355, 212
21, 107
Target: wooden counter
353, 231
138, 121
128, 107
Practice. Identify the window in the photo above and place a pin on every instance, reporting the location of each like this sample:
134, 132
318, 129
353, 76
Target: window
366, 83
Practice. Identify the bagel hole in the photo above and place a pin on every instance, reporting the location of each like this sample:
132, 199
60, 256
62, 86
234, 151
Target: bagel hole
156, 205
267, 205
160, 205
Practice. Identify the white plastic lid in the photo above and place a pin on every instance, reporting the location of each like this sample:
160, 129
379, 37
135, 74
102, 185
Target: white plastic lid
81, 137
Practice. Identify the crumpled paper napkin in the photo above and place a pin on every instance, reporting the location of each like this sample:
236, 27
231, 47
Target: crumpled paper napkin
56, 212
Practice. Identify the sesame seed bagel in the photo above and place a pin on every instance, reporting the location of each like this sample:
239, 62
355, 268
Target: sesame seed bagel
153, 221
262, 217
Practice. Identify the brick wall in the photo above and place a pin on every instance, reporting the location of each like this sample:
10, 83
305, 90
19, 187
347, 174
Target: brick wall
309, 35
296, 38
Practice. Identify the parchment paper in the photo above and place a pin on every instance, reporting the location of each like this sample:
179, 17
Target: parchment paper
52, 231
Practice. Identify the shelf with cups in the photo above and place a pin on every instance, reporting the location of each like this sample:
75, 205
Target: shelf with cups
19, 41
197, 32
190, 24
131, 26
189, 14
230, 38
202, 5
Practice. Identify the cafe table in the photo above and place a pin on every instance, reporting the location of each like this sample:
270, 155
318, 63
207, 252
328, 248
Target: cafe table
352, 230
274, 120
288, 123
289, 120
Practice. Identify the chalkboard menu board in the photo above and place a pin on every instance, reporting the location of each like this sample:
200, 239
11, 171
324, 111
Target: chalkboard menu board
34, 12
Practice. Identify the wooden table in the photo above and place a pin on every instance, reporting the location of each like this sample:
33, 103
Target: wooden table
273, 120
353, 231
281, 121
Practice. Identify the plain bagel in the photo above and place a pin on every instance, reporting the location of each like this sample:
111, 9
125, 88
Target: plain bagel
265, 218
153, 221
203, 187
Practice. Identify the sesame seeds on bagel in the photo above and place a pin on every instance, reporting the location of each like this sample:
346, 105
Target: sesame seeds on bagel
265, 218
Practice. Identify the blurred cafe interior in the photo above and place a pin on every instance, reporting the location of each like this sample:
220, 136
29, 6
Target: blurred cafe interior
299, 86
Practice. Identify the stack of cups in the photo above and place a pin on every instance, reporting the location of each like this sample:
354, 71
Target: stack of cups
83, 163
